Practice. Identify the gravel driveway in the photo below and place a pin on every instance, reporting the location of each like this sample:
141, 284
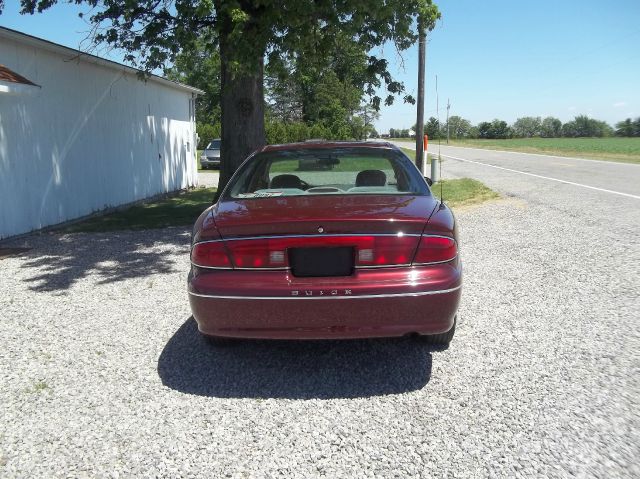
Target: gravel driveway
102, 372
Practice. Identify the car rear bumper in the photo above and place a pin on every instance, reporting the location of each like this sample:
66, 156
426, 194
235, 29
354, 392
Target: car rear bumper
393, 302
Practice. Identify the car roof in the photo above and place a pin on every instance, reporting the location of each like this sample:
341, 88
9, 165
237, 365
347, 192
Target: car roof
320, 144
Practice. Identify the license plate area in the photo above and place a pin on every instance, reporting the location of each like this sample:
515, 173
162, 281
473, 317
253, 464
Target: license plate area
324, 261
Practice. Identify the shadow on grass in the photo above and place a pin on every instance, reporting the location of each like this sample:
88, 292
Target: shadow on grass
293, 369
60, 261
182, 209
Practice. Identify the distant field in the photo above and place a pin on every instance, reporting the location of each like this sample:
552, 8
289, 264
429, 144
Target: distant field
626, 150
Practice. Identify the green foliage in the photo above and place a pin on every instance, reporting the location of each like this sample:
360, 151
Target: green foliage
459, 127
322, 91
628, 127
278, 132
206, 133
583, 126
399, 133
432, 128
527, 127
153, 34
495, 129
551, 128
198, 65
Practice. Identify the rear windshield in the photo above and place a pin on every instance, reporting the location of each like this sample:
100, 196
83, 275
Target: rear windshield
214, 145
327, 171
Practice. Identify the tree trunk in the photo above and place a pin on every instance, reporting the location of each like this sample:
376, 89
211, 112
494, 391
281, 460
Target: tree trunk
242, 102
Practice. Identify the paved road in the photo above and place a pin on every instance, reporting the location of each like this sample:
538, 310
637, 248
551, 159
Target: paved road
621, 178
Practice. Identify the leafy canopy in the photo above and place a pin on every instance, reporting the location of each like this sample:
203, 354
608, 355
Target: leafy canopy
153, 32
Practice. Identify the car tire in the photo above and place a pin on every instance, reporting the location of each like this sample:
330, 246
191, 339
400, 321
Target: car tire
442, 339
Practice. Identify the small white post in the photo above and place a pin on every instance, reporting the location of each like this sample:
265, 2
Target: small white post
434, 170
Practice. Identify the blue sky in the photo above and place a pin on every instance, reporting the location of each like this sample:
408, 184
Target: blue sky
494, 59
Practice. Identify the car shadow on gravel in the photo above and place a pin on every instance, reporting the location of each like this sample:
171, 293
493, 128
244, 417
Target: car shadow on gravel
293, 369
58, 261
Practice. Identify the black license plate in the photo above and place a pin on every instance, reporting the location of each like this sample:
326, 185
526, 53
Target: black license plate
307, 262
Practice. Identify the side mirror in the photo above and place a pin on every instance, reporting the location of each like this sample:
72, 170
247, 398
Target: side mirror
428, 180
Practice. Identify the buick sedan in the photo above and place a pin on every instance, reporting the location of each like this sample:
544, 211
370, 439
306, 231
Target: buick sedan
353, 245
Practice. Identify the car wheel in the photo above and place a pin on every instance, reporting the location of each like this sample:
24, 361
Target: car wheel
442, 339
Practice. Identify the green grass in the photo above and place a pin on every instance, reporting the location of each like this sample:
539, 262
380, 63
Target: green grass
626, 150
463, 192
179, 210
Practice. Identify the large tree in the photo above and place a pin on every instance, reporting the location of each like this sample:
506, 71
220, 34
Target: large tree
459, 127
527, 127
496, 129
551, 128
153, 32
583, 126
628, 127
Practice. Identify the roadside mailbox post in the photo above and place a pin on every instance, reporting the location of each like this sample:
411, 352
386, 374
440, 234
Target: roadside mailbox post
434, 169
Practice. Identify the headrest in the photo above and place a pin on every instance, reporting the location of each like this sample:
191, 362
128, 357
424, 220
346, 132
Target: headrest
371, 178
286, 181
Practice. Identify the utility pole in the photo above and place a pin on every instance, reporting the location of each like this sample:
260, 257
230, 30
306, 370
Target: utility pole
422, 51
434, 162
448, 106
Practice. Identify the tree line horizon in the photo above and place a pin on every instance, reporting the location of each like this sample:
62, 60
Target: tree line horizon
525, 127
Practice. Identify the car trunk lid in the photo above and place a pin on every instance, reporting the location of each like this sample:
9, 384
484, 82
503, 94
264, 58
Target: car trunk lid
329, 215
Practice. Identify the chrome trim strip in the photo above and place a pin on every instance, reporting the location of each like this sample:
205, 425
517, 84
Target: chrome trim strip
364, 296
378, 266
282, 268
434, 262
211, 267
312, 236
278, 268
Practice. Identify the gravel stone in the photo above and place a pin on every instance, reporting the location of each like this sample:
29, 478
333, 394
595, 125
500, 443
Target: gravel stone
103, 373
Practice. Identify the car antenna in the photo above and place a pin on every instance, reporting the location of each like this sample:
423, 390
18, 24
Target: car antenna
439, 157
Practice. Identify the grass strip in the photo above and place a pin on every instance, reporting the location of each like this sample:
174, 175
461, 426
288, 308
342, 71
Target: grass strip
179, 210
624, 150
463, 192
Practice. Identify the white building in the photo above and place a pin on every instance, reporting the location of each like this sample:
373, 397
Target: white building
79, 134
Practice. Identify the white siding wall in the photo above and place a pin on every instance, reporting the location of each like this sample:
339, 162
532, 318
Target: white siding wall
92, 137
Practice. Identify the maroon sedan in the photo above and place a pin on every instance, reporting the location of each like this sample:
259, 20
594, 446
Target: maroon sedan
326, 240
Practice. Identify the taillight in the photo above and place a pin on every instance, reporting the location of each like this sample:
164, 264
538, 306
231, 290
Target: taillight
386, 250
271, 253
435, 249
212, 255
258, 253
370, 250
